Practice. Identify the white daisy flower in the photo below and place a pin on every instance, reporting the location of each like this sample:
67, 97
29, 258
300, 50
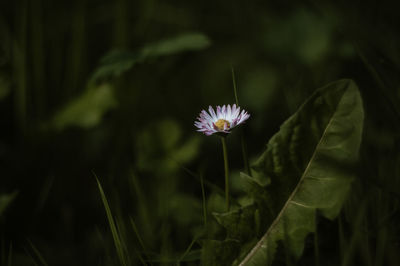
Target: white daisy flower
223, 121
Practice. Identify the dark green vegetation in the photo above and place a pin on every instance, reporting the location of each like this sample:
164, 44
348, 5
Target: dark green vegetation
100, 164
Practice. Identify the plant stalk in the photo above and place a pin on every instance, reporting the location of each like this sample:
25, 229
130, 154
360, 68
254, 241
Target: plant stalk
226, 166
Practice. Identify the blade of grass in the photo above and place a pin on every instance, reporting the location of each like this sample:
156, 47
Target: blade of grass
30, 256
187, 251
145, 251
203, 193
234, 86
137, 234
113, 227
37, 253
122, 232
242, 140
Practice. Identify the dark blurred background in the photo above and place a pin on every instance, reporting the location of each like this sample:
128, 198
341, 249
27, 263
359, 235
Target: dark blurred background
112, 89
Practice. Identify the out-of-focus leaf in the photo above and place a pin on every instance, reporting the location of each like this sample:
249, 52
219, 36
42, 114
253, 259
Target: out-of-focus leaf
6, 200
310, 164
117, 62
86, 110
182, 43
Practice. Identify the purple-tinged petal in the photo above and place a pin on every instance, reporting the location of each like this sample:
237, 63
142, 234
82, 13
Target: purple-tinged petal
212, 113
234, 123
219, 115
223, 112
205, 115
228, 112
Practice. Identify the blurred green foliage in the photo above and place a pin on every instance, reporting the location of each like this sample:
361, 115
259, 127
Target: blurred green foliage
87, 110
113, 87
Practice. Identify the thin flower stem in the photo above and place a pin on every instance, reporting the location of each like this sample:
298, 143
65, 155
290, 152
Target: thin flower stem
226, 166
204, 200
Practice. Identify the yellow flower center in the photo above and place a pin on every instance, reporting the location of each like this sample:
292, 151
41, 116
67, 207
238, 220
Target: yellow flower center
221, 123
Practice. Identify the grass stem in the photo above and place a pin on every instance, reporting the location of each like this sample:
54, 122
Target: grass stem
242, 141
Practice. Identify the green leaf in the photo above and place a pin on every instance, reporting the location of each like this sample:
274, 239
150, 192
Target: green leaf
310, 165
87, 110
117, 62
182, 43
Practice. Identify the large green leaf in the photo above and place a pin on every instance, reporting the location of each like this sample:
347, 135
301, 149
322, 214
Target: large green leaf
309, 163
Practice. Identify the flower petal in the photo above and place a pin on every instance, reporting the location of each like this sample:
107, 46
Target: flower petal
228, 113
212, 112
